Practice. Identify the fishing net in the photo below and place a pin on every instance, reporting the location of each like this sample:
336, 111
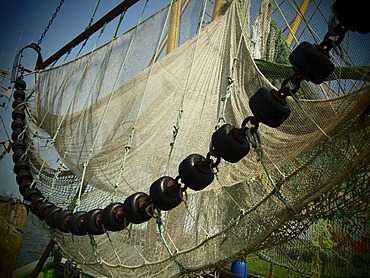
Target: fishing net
110, 123
338, 246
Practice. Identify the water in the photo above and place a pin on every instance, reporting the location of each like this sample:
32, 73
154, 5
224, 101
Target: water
35, 240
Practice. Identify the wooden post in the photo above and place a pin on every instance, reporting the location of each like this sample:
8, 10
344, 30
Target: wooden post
12, 224
297, 21
173, 32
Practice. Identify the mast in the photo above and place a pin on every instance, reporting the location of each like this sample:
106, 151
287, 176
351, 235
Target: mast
216, 9
297, 21
173, 32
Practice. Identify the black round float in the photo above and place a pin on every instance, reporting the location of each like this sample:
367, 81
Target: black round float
196, 172
94, 222
40, 213
310, 63
50, 216
62, 219
76, 223
20, 84
352, 14
135, 206
230, 143
114, 217
165, 193
269, 108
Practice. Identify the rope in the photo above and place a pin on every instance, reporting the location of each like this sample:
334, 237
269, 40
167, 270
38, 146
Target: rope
224, 99
310, 117
119, 24
255, 142
128, 145
85, 41
6, 132
159, 222
131, 137
286, 21
71, 70
78, 201
230, 79
189, 212
95, 249
55, 178
93, 15
181, 108
21, 34
113, 247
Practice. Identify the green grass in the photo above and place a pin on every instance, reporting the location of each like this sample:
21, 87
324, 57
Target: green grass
261, 267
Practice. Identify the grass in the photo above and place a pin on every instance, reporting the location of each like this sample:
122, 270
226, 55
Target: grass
261, 267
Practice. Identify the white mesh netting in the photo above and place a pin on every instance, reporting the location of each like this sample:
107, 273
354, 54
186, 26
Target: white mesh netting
119, 125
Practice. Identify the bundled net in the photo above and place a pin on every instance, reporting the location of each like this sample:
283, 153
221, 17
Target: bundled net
117, 125
332, 248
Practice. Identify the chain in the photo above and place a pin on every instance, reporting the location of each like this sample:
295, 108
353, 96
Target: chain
50, 22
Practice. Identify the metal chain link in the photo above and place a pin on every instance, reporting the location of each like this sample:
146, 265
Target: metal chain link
50, 22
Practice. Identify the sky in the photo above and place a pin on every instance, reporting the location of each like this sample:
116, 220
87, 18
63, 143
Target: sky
23, 22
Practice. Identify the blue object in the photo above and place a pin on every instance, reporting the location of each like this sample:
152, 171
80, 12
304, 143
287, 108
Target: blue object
240, 268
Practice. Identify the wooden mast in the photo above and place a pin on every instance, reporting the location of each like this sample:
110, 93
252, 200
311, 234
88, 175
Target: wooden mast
297, 22
173, 32
216, 9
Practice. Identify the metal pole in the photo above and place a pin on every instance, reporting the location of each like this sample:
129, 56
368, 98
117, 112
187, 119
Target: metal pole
88, 32
42, 261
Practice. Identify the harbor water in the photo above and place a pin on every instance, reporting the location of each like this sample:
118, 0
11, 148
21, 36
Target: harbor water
34, 242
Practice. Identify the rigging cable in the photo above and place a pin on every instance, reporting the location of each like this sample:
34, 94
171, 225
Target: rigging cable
85, 41
119, 24
93, 15
50, 22
131, 136
286, 21
21, 34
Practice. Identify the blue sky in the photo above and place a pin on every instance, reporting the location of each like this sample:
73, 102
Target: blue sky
22, 22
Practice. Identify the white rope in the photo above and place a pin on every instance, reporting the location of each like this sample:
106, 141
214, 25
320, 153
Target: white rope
184, 92
128, 145
131, 137
71, 70
229, 88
